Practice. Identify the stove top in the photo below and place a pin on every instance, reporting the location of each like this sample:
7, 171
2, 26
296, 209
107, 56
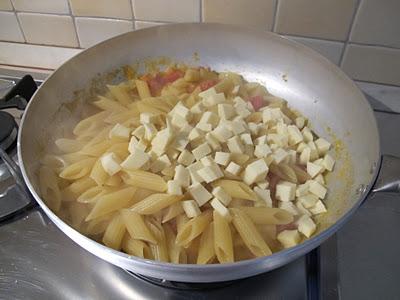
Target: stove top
37, 261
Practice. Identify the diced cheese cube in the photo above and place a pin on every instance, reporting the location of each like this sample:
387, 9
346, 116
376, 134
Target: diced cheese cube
195, 134
222, 133
110, 163
271, 114
137, 159
120, 132
132, 144
237, 126
262, 150
306, 225
308, 200
300, 147
285, 191
328, 162
320, 179
169, 171
295, 135
174, 187
206, 127
263, 185
256, 171
185, 158
161, 141
214, 99
317, 189
147, 118
261, 140
186, 129
150, 131
233, 168
235, 145
201, 151
208, 161
302, 210
160, 164
314, 151
180, 142
182, 176
282, 129
208, 93
239, 101
289, 238
199, 193
210, 173
178, 121
323, 146
305, 156
254, 128
173, 154
142, 144
235, 89
222, 158
302, 189
307, 134
221, 195
226, 111
246, 139
318, 208
182, 111
193, 168
292, 158
198, 108
191, 208
264, 194
210, 118
213, 142
289, 207
220, 208
300, 122
279, 155
313, 169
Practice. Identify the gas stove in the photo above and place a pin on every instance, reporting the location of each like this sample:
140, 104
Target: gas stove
37, 261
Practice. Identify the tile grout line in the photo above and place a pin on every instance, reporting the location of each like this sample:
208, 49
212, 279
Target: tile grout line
275, 16
43, 45
19, 24
133, 15
201, 11
353, 21
74, 22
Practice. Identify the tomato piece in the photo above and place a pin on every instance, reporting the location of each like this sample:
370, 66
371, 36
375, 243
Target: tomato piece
156, 84
257, 102
172, 75
209, 83
290, 226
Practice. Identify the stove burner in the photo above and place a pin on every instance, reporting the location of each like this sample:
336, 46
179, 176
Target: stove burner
182, 285
8, 130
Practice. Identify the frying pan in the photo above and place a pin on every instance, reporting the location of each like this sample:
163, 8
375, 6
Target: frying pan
311, 84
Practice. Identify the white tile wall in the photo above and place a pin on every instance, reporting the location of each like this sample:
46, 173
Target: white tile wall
9, 28
102, 8
43, 6
167, 11
144, 24
93, 30
48, 29
377, 22
5, 5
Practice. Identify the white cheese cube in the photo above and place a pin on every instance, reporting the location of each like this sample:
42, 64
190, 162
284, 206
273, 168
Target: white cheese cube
178, 121
237, 126
235, 145
233, 168
239, 101
300, 122
295, 135
185, 158
271, 114
308, 200
222, 158
226, 111
261, 140
320, 179
180, 142
120, 132
182, 111
198, 108
174, 187
222, 133
302, 189
323, 146
278, 139
147, 118
193, 168
110, 163
142, 144
199, 193
264, 194
235, 89
162, 139
208, 161
289, 207
289, 238
208, 93
173, 154
328, 162
195, 134
186, 129
221, 195
263, 185
214, 100
256, 171
317, 189
210, 173
150, 131
302, 210
307, 134
306, 225
220, 208
210, 118
191, 208
262, 150
160, 164
132, 144
206, 127
213, 142
313, 169
201, 151
137, 159
282, 129
242, 110
285, 191
182, 176
246, 139
314, 151
305, 156
300, 147
318, 208
279, 155
254, 128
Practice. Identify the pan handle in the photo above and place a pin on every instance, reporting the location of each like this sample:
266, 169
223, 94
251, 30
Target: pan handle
388, 180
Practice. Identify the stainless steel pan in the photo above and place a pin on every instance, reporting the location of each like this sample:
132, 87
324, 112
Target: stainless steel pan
311, 84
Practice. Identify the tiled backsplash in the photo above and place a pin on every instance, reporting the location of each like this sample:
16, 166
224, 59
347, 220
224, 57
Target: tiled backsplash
361, 36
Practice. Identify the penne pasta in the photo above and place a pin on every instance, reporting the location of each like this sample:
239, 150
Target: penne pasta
108, 104
69, 145
49, 188
177, 254
136, 226
172, 211
98, 174
193, 228
249, 234
78, 170
91, 194
90, 125
143, 89
223, 245
159, 249
206, 247
146, 180
236, 189
136, 247
268, 215
96, 149
120, 93
154, 203
72, 191
114, 233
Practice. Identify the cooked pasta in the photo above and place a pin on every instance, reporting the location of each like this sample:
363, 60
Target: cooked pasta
188, 165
